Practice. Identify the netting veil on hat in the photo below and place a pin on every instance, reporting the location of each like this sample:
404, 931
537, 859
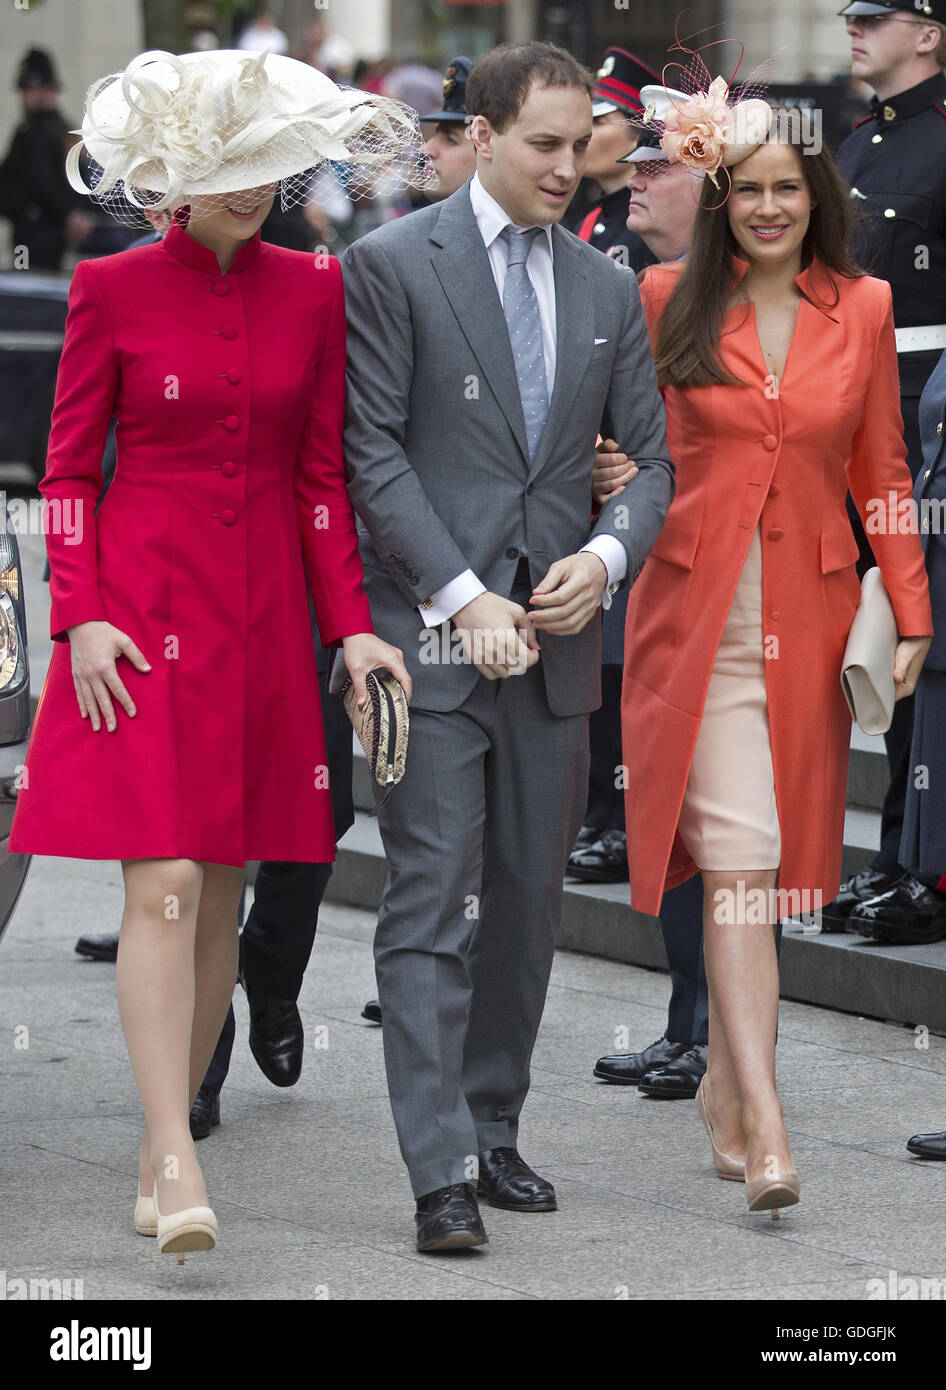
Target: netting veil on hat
707, 123
199, 127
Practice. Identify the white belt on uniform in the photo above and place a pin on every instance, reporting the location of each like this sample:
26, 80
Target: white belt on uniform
924, 339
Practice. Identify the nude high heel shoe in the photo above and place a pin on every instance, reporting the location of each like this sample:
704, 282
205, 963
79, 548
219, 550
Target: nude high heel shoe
771, 1194
194, 1228
146, 1222
728, 1166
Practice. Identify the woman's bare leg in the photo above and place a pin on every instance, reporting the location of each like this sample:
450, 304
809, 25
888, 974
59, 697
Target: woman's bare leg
742, 976
722, 1087
155, 978
176, 972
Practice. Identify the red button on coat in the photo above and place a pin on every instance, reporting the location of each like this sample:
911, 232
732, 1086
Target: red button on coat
776, 534
228, 469
232, 422
228, 331
234, 375
774, 490
221, 287
228, 517
769, 442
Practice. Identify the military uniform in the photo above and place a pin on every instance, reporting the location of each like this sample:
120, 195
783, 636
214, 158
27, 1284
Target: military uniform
617, 88
924, 832
895, 162
605, 228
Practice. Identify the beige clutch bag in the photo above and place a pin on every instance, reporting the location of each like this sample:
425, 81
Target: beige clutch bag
867, 669
382, 726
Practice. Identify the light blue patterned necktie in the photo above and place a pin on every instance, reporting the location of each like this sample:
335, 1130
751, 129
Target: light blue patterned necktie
525, 332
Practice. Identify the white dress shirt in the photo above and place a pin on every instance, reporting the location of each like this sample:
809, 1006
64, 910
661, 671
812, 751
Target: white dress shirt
491, 218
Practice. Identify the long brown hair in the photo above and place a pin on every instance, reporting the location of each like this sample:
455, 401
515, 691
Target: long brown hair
688, 344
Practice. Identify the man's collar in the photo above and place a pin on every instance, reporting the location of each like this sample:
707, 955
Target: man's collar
491, 217
909, 103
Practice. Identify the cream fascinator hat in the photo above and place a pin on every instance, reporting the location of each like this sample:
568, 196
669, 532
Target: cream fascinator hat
198, 127
705, 123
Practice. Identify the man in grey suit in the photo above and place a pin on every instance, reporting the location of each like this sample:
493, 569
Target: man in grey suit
487, 348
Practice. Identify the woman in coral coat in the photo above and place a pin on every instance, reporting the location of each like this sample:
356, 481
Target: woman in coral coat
179, 612
778, 369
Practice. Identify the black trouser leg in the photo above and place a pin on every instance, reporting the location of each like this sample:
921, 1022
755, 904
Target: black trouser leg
605, 799
276, 941
681, 921
280, 929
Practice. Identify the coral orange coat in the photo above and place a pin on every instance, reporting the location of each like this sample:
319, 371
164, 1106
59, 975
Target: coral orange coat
781, 458
229, 493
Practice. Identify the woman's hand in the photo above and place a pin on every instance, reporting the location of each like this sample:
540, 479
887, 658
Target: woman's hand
363, 652
908, 660
612, 471
95, 647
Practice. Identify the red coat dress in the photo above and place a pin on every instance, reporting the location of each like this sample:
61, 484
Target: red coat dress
781, 460
229, 493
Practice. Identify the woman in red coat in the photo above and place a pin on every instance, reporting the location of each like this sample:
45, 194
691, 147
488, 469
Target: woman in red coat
778, 369
179, 612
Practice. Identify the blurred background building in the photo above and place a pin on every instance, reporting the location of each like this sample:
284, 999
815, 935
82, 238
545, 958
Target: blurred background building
90, 37
402, 46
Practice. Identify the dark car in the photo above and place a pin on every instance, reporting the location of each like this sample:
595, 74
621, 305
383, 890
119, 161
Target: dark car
14, 713
32, 322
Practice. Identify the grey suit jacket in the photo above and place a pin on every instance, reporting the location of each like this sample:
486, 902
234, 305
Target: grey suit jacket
435, 440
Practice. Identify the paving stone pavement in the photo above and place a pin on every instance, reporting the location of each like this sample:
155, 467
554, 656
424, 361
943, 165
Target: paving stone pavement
310, 1192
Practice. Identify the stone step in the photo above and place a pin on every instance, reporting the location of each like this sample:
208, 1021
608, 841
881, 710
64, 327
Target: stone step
905, 984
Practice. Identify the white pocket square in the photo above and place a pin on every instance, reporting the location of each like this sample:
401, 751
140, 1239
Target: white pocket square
600, 340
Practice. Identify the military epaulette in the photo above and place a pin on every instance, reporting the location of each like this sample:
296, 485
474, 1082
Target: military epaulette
862, 121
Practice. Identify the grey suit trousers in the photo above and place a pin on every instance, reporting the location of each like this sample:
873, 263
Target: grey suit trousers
477, 836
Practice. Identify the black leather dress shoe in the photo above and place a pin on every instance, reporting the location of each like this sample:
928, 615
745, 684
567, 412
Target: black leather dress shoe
627, 1068
605, 861
372, 1011
276, 1036
677, 1080
449, 1219
909, 914
507, 1181
859, 888
928, 1145
205, 1112
98, 947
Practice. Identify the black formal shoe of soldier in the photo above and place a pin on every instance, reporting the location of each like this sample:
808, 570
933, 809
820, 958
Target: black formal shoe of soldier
372, 1011
677, 1080
859, 888
604, 861
276, 1035
205, 1112
909, 914
507, 1181
627, 1068
98, 947
928, 1145
449, 1219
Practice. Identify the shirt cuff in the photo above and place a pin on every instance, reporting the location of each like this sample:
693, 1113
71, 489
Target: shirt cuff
612, 554
451, 598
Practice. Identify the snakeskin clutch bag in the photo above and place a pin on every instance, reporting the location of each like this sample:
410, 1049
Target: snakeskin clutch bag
382, 726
